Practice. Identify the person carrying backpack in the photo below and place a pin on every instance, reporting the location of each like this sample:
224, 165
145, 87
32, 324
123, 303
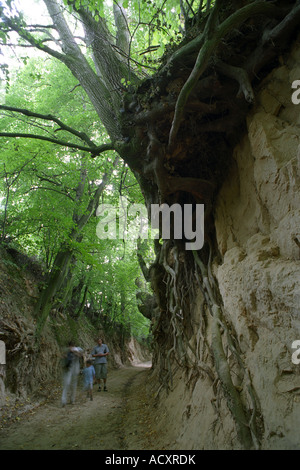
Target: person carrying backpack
71, 366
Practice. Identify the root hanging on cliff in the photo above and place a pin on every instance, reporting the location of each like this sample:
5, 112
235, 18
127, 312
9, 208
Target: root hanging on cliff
173, 340
246, 420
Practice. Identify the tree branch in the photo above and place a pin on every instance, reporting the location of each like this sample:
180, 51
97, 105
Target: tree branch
92, 148
111, 59
50, 117
96, 88
31, 39
69, 45
48, 139
101, 89
94, 201
50, 189
95, 151
123, 36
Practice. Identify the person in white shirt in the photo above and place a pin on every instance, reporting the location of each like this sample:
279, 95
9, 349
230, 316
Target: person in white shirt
71, 372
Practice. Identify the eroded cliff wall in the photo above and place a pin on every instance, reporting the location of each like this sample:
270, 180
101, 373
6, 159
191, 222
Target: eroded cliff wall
258, 234
258, 231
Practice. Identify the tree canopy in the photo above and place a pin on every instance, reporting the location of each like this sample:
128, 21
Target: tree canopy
50, 194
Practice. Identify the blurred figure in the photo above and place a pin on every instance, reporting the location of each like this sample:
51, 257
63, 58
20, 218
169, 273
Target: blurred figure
88, 378
71, 371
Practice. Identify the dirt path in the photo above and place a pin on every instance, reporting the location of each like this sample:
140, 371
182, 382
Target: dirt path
119, 419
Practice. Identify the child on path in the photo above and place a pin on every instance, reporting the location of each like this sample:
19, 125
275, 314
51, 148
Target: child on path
88, 378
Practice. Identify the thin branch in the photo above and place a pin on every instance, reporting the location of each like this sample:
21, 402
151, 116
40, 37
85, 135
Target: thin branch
8, 186
94, 201
9, 44
49, 117
122, 39
95, 151
31, 39
47, 139
50, 189
92, 147
51, 181
41, 26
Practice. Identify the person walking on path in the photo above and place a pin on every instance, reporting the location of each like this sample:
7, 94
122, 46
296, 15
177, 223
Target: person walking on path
88, 378
100, 352
71, 371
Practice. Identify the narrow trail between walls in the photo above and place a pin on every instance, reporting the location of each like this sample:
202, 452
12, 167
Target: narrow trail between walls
120, 419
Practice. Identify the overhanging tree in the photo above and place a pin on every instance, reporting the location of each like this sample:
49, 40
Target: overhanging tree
175, 129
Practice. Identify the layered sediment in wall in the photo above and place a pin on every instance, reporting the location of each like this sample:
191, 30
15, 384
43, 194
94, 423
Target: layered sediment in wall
257, 220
